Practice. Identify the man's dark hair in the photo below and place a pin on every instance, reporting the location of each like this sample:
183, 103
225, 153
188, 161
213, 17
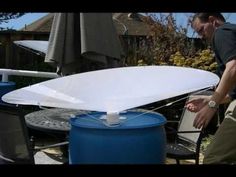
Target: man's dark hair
205, 16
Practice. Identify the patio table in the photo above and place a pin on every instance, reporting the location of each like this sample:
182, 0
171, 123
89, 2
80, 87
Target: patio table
54, 120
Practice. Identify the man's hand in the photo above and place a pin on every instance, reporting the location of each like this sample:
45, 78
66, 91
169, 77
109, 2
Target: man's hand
203, 117
197, 103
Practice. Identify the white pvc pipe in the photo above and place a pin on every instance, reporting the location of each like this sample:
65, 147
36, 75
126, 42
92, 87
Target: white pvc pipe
6, 72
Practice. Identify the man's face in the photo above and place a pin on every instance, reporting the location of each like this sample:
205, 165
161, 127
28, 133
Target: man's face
204, 29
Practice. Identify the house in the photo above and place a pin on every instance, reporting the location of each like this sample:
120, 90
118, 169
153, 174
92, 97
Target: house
131, 28
125, 23
41, 25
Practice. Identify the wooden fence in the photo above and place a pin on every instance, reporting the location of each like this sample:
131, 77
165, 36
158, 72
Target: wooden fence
14, 57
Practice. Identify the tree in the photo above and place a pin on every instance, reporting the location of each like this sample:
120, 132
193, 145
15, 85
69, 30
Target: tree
5, 17
168, 44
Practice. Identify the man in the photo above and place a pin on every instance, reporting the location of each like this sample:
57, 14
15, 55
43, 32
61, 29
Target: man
222, 35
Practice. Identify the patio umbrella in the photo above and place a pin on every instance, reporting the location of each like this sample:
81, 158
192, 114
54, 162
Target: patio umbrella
82, 42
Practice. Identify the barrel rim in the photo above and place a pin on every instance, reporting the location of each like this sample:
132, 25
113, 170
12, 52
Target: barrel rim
117, 127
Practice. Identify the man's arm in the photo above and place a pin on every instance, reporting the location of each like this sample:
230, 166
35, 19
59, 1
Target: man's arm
227, 83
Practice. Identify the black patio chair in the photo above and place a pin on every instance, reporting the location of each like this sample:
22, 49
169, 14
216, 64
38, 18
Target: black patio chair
187, 139
15, 146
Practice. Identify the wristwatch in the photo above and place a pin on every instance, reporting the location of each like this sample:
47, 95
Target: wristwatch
212, 104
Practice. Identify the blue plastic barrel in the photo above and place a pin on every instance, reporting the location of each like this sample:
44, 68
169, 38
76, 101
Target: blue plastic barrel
136, 140
6, 87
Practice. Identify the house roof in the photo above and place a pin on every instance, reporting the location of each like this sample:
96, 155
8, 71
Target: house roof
41, 25
133, 22
125, 23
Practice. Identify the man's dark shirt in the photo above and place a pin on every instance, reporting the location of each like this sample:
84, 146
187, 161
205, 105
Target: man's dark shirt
224, 46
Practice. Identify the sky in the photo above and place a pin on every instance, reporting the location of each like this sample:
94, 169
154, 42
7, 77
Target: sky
26, 19
181, 19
